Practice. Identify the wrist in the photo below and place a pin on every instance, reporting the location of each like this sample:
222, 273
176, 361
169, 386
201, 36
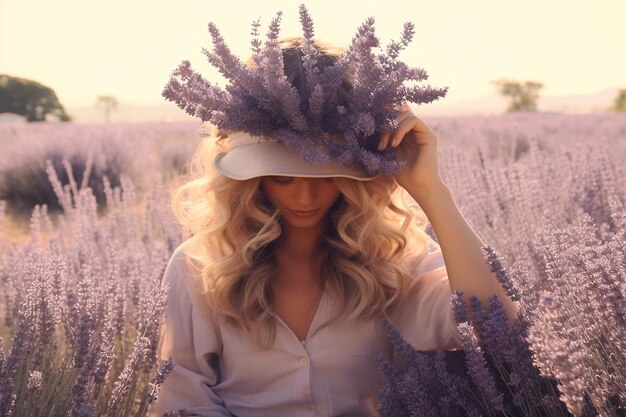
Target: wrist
432, 191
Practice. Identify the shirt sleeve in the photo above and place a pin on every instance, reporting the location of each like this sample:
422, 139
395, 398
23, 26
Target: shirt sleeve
424, 315
194, 344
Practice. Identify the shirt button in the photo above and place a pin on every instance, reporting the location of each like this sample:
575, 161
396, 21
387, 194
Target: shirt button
303, 361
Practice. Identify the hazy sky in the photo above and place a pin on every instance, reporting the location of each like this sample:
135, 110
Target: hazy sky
127, 48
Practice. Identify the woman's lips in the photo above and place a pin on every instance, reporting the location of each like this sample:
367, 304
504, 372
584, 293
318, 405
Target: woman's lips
309, 213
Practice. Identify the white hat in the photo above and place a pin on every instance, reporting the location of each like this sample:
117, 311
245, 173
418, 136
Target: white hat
250, 157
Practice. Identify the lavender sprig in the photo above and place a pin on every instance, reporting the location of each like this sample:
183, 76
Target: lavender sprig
477, 367
255, 42
494, 260
159, 377
122, 385
310, 53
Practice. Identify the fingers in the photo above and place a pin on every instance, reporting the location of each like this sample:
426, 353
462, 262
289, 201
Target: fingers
384, 141
386, 137
420, 127
407, 121
403, 128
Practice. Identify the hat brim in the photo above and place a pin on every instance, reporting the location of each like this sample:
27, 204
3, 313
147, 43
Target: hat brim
270, 158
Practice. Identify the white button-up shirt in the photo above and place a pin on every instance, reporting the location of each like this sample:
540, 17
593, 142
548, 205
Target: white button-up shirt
221, 372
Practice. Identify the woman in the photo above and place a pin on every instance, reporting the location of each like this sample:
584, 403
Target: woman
276, 300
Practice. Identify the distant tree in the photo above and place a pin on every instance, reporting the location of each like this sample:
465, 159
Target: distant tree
523, 95
107, 103
29, 98
619, 104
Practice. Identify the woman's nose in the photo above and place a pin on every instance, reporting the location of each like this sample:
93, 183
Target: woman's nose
306, 191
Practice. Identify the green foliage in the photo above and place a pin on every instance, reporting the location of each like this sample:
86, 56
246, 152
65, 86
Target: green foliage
29, 98
523, 95
619, 104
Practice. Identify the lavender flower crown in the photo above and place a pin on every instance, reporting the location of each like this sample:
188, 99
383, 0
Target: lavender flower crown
263, 103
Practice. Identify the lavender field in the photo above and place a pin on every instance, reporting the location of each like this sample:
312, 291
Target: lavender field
80, 295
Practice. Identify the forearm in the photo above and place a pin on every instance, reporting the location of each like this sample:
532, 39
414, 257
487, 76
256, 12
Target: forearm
461, 249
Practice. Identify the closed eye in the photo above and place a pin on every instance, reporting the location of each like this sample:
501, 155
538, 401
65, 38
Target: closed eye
282, 180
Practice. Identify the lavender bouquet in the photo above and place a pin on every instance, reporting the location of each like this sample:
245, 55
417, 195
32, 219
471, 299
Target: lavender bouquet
262, 102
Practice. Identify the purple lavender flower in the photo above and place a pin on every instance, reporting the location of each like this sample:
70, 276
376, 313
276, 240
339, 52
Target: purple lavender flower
414, 377
391, 402
79, 392
496, 333
459, 306
159, 377
478, 312
393, 48
122, 385
255, 43
316, 104
106, 347
22, 342
82, 338
85, 410
151, 300
494, 260
7, 403
310, 55
477, 367
34, 380
407, 354
47, 307
457, 387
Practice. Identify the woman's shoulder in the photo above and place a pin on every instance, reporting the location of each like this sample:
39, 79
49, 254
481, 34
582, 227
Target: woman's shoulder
182, 271
422, 254
183, 276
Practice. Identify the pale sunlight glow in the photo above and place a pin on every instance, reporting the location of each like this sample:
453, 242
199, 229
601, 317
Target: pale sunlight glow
127, 48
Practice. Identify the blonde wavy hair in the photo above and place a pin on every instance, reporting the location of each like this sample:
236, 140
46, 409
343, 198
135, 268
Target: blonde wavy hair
230, 229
